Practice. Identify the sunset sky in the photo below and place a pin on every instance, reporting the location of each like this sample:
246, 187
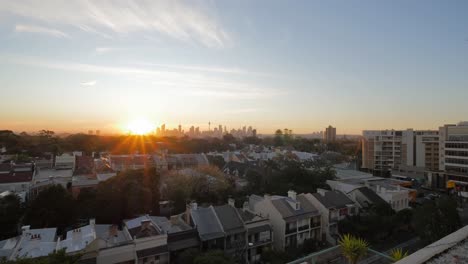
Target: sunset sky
79, 65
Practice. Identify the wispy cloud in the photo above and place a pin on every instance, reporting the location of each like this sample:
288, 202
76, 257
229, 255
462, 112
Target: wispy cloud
198, 68
40, 30
181, 83
185, 21
90, 83
102, 50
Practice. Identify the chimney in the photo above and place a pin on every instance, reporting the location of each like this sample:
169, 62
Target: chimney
245, 206
25, 229
113, 231
145, 224
232, 202
267, 197
174, 219
188, 211
292, 194
382, 189
92, 221
321, 191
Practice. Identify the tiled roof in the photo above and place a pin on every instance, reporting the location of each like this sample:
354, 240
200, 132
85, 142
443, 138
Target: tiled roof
333, 199
229, 218
84, 165
207, 223
152, 251
371, 195
12, 177
285, 208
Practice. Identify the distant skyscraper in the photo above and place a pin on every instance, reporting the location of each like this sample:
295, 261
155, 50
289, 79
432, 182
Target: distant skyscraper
90, 132
330, 134
98, 132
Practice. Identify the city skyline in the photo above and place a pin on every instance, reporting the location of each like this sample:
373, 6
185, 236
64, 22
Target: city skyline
355, 66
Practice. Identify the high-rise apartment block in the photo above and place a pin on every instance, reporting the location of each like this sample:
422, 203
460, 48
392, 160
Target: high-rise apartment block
330, 134
384, 150
453, 159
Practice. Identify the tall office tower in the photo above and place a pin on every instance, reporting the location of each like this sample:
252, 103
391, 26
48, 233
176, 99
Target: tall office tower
330, 134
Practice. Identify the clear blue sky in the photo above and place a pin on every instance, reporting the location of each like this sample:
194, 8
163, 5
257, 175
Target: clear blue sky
79, 65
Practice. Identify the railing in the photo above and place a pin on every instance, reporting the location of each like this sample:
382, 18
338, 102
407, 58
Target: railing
312, 258
315, 225
259, 242
291, 230
304, 227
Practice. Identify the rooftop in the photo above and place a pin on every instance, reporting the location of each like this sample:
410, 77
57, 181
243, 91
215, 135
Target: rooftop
333, 199
284, 205
450, 249
207, 222
229, 218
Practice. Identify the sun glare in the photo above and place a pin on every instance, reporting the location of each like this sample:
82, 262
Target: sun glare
140, 127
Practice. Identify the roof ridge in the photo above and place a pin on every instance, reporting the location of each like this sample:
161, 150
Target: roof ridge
217, 218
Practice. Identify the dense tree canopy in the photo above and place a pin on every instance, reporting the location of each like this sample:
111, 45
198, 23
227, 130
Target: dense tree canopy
127, 195
53, 207
289, 174
436, 219
204, 184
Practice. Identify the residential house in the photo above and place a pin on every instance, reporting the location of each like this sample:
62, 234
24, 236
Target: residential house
259, 233
16, 177
209, 227
65, 161
333, 206
294, 218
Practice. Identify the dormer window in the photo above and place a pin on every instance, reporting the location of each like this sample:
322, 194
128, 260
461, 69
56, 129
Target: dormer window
298, 205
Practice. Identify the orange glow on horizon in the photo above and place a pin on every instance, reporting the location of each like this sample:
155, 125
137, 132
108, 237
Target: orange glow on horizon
140, 127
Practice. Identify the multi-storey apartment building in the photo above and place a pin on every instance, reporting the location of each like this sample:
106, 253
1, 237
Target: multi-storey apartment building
384, 150
330, 134
453, 158
333, 207
381, 150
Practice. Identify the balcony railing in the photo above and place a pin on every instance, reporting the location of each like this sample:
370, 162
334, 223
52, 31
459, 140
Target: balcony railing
315, 225
291, 230
304, 227
259, 242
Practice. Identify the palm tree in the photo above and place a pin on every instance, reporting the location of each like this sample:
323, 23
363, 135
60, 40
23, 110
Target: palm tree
353, 248
398, 254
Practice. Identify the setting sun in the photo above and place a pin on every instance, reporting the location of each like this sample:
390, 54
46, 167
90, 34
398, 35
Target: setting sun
140, 127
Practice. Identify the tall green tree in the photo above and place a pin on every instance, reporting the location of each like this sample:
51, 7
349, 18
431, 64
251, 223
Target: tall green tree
278, 139
53, 207
434, 220
10, 215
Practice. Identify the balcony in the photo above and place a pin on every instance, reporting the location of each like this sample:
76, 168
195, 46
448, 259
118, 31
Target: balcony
235, 244
291, 230
315, 225
302, 228
259, 242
